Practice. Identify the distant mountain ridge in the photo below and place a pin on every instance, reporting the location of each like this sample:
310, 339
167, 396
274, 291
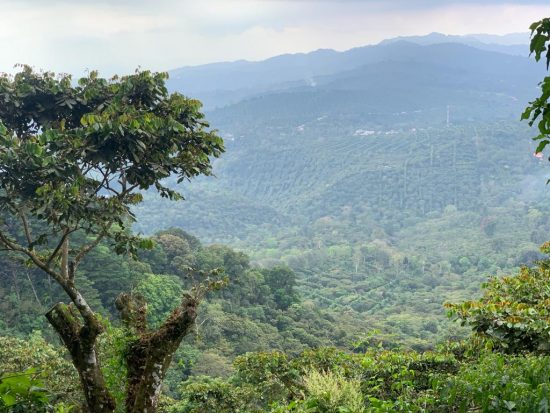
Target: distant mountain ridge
505, 39
514, 44
512, 39
401, 77
224, 83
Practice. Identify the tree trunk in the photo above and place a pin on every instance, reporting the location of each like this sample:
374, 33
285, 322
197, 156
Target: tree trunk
149, 357
80, 340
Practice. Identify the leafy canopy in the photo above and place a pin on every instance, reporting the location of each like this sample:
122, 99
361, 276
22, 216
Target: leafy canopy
539, 109
514, 312
75, 155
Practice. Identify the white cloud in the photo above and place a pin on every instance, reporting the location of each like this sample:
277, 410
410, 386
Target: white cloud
118, 36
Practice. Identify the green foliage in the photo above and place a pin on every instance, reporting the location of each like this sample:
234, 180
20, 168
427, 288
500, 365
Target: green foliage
458, 377
34, 376
540, 36
331, 392
326, 393
379, 230
390, 380
205, 394
162, 293
109, 275
22, 391
499, 383
537, 111
514, 312
243, 317
269, 373
282, 282
375, 382
112, 347
389, 375
128, 130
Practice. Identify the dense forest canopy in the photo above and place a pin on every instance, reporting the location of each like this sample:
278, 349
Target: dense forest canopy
355, 205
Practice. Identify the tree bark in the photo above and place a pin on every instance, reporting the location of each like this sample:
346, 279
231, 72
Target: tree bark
149, 357
80, 340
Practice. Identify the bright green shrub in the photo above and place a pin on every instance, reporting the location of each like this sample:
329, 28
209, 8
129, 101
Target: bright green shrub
212, 395
328, 392
23, 392
388, 375
498, 383
270, 373
51, 370
34, 376
514, 312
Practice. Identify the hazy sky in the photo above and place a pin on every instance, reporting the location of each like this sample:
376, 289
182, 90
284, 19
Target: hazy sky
118, 36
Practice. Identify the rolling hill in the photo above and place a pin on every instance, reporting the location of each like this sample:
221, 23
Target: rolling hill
390, 174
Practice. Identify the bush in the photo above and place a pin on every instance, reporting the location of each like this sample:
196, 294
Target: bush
23, 392
328, 392
514, 312
205, 394
36, 364
498, 383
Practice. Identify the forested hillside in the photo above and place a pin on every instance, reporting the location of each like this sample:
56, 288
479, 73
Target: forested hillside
329, 255
409, 179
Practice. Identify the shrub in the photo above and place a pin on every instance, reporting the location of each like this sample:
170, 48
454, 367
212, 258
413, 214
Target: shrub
514, 312
328, 392
50, 371
499, 383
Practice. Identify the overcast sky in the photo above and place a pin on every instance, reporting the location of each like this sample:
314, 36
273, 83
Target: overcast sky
118, 36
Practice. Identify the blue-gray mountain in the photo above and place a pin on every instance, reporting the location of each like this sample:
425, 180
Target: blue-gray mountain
220, 84
389, 174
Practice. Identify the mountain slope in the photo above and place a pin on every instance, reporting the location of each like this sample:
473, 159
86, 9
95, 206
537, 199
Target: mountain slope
390, 187
514, 44
406, 132
224, 83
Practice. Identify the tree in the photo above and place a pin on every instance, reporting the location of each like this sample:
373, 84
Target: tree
539, 109
281, 281
73, 160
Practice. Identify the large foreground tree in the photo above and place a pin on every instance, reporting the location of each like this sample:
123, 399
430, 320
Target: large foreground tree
73, 160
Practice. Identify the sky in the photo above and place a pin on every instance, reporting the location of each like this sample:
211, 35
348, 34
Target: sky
73, 36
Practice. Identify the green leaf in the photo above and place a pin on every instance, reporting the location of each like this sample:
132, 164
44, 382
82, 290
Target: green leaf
8, 399
542, 145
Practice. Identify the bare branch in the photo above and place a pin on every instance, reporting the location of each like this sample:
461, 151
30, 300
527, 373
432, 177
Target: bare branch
66, 233
87, 248
26, 227
33, 289
13, 246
